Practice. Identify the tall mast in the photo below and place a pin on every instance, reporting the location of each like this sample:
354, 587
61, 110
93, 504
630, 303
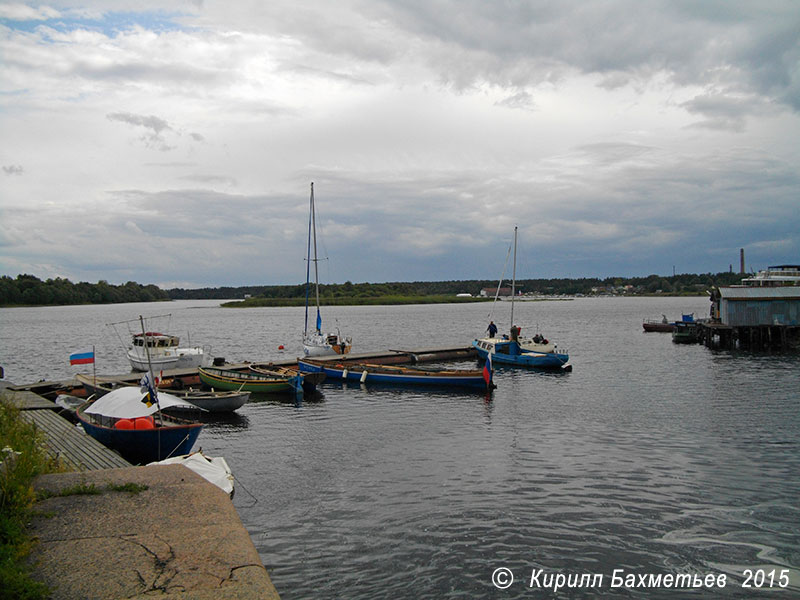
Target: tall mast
308, 256
316, 267
514, 277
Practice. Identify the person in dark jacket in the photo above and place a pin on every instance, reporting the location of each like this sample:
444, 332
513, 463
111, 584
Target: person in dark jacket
492, 329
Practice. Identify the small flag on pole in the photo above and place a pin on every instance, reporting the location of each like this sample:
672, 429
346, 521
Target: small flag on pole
146, 385
82, 357
487, 370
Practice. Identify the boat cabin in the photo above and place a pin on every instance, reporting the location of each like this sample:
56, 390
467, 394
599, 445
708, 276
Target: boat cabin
156, 340
498, 347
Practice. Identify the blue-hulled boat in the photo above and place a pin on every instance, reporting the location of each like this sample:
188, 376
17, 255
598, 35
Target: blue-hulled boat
396, 375
512, 352
536, 352
123, 421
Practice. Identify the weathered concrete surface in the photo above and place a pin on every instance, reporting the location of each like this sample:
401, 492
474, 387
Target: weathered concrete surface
180, 538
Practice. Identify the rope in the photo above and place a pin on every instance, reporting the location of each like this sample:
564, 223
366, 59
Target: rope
500, 283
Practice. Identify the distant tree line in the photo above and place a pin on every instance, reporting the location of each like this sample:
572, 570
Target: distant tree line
31, 291
683, 284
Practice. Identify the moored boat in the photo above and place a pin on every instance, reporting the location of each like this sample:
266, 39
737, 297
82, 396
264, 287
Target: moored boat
214, 470
209, 400
165, 352
249, 381
315, 343
157, 351
663, 325
123, 421
685, 332
310, 381
536, 352
398, 375
511, 352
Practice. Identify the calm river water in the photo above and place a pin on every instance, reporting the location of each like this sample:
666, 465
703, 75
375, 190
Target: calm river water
649, 459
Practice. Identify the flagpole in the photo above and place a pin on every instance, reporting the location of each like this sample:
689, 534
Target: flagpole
150, 368
152, 387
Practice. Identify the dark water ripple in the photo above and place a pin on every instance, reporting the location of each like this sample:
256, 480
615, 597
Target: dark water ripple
649, 457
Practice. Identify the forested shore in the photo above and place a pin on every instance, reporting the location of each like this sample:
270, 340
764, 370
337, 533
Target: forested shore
28, 290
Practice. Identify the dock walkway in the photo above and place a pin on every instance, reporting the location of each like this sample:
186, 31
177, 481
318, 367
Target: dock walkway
76, 450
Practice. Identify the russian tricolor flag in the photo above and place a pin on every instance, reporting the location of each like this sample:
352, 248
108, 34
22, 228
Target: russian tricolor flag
487, 369
82, 357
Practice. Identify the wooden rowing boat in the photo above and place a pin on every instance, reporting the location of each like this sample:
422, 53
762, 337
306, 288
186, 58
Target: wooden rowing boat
248, 381
388, 374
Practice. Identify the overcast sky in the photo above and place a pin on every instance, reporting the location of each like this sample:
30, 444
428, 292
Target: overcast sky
177, 146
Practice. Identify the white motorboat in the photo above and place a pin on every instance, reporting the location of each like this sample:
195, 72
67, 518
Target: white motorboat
159, 351
165, 352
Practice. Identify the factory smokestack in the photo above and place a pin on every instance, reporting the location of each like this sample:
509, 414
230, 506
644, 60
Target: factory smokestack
741, 261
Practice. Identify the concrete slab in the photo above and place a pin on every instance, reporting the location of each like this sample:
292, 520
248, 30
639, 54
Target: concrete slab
179, 538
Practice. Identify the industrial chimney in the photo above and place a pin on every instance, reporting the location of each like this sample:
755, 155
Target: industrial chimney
741, 261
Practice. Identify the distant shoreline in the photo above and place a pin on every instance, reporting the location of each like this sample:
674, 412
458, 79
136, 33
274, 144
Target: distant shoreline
394, 301
28, 290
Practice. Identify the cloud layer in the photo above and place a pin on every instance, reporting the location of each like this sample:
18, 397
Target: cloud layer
177, 148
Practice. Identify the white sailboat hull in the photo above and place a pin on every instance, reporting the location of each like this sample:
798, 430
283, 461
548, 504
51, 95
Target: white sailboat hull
319, 345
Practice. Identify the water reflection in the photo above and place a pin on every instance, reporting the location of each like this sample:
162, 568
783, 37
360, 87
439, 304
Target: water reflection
225, 421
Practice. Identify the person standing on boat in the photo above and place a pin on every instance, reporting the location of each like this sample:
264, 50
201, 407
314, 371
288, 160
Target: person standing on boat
492, 329
515, 331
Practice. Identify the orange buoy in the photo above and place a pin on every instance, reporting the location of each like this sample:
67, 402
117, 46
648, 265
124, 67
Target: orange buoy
123, 424
144, 423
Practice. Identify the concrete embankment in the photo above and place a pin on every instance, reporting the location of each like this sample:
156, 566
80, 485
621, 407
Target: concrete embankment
179, 538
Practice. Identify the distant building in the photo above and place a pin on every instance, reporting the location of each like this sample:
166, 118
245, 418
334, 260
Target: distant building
490, 292
751, 306
772, 297
464, 295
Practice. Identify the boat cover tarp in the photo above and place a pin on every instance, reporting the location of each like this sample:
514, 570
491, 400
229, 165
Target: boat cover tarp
128, 403
215, 470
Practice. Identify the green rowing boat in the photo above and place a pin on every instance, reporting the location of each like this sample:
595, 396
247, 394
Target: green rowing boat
249, 381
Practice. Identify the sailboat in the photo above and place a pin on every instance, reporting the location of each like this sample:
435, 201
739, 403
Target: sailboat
315, 343
512, 349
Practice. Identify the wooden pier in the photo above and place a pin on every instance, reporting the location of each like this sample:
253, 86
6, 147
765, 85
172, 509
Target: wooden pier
69, 445
748, 337
189, 375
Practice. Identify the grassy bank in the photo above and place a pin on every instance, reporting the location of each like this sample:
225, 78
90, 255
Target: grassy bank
23, 458
355, 301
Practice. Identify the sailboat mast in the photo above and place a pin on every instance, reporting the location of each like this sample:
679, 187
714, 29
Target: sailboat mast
308, 256
316, 267
514, 277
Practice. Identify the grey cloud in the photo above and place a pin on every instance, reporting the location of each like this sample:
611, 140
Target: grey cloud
153, 138
13, 169
745, 47
149, 122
